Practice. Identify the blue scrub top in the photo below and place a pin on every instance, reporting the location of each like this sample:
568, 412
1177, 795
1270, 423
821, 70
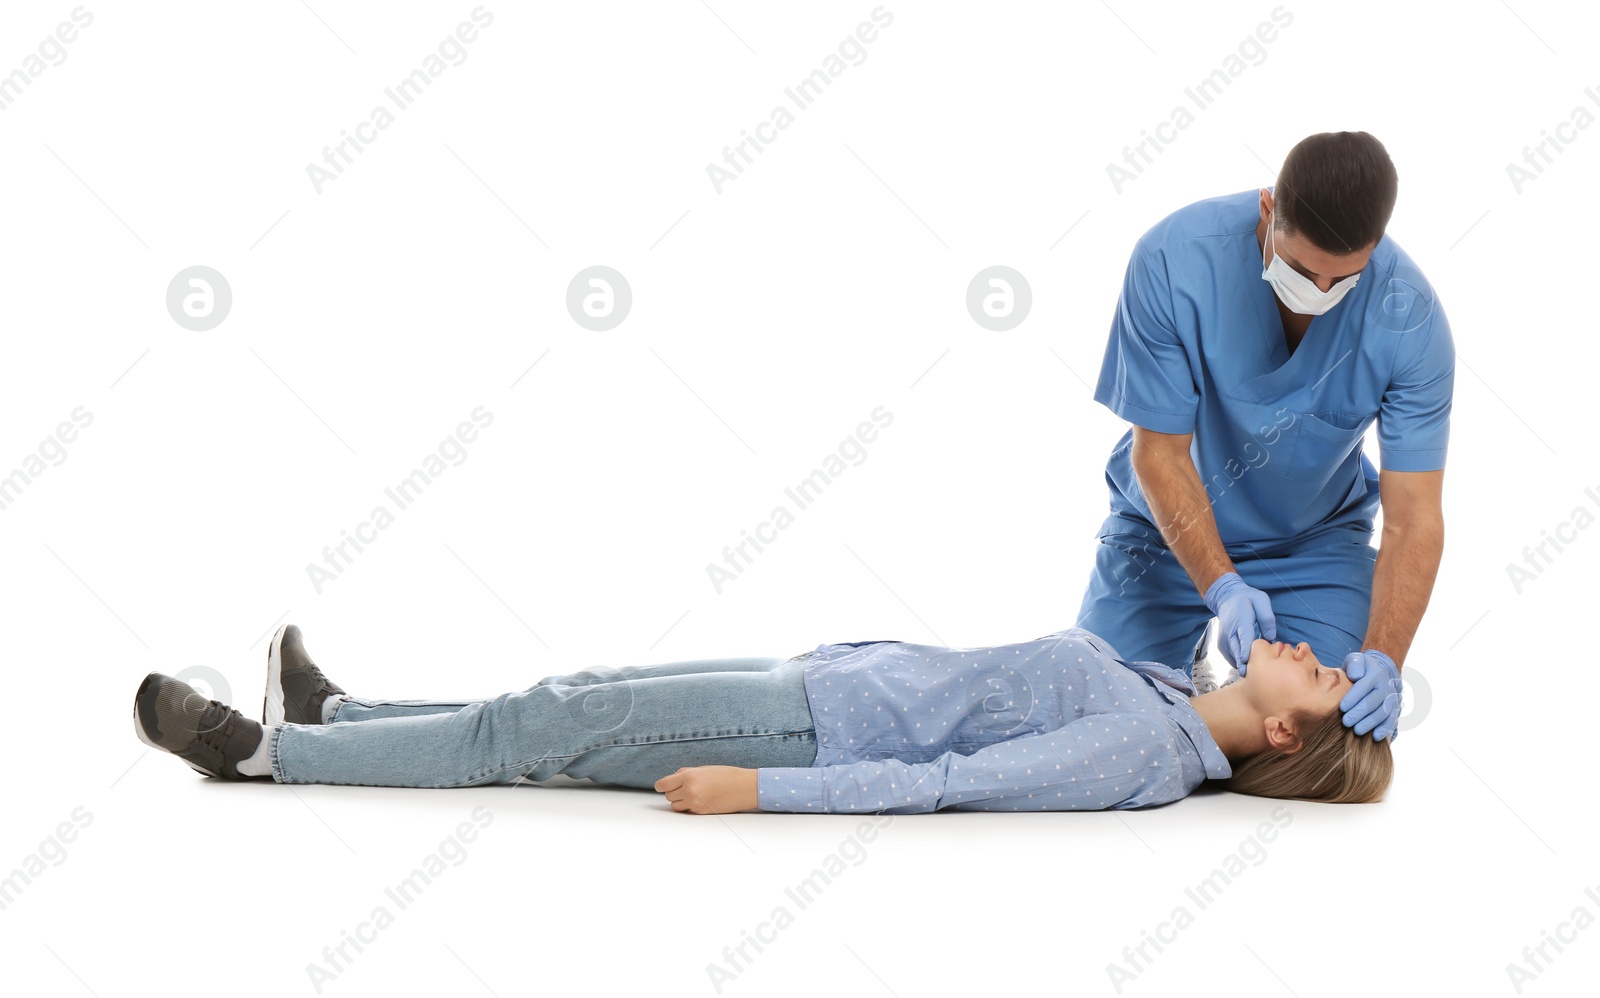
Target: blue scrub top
1197, 346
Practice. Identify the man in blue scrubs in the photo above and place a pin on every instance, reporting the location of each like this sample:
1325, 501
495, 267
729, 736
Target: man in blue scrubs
1256, 338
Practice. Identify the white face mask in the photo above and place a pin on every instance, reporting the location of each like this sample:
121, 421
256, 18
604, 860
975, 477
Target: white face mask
1298, 291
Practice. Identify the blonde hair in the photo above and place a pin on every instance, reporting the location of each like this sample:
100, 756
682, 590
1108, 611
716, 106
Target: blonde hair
1333, 764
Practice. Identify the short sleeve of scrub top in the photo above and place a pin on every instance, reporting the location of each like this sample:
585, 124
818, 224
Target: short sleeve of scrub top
1146, 377
1414, 415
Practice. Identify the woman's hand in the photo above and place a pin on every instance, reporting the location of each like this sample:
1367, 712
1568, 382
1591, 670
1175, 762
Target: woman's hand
710, 789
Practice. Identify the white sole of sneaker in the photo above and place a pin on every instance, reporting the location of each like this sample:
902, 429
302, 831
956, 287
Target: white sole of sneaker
272, 700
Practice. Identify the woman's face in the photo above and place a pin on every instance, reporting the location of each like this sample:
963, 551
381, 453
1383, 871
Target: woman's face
1286, 680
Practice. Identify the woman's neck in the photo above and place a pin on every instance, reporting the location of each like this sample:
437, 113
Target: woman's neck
1232, 721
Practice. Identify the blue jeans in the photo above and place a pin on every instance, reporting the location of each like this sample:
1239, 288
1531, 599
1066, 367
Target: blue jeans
620, 727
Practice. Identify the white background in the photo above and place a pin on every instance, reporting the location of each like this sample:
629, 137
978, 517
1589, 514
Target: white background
768, 321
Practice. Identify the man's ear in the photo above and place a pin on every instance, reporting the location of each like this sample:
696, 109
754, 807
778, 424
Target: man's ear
1281, 736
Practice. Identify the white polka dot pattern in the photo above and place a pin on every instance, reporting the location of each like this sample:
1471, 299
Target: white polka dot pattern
1054, 724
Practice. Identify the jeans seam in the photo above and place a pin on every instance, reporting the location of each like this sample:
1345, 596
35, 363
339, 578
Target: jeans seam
273, 756
660, 741
409, 703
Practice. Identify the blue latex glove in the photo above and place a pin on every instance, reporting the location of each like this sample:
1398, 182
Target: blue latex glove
1373, 703
1244, 613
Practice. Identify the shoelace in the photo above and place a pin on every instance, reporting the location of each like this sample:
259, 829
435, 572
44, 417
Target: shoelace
303, 684
324, 684
217, 725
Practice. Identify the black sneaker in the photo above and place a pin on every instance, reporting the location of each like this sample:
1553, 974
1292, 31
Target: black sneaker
211, 737
296, 688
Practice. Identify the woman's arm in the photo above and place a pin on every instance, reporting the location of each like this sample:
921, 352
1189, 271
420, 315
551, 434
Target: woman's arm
1098, 762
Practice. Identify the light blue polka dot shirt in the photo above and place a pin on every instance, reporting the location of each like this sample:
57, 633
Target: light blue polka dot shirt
1059, 723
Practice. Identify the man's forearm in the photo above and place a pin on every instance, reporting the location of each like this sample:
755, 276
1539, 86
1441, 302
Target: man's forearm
1182, 511
1402, 582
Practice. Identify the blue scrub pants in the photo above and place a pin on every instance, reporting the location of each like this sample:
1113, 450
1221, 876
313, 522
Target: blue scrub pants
1142, 601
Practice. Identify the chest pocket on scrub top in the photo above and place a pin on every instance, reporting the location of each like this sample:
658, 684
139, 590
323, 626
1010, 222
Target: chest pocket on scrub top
1322, 441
